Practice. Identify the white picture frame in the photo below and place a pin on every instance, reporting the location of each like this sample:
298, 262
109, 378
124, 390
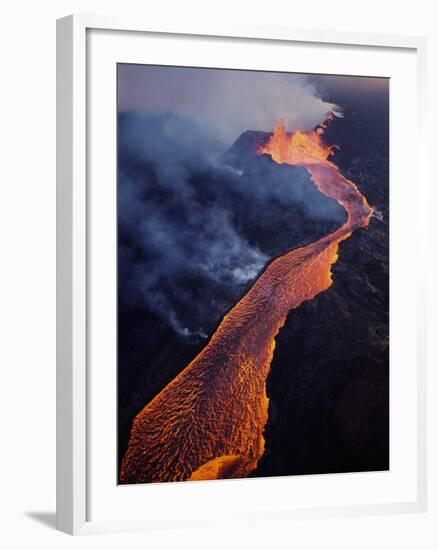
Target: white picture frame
73, 376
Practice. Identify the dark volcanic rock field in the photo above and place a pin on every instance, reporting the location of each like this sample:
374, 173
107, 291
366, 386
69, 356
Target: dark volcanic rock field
329, 380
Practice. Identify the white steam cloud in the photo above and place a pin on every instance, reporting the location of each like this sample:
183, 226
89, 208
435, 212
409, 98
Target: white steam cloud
228, 101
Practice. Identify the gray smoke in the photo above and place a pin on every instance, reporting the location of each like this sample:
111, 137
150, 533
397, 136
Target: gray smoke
172, 243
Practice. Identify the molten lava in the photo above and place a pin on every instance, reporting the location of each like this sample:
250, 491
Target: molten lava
297, 148
208, 422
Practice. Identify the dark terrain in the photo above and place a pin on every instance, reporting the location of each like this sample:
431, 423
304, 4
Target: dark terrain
329, 380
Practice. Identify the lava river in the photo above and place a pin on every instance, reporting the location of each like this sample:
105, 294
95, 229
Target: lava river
208, 422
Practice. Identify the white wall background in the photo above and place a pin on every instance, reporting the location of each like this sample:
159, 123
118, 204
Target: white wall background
27, 286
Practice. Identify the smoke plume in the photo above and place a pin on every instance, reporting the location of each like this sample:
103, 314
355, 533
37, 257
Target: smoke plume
229, 101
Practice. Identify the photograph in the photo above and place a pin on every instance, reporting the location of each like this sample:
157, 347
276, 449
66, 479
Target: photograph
252, 273
219, 274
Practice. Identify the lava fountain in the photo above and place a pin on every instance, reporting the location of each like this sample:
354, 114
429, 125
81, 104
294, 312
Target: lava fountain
208, 422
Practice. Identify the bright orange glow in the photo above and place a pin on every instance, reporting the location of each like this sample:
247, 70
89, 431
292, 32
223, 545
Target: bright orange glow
208, 422
297, 148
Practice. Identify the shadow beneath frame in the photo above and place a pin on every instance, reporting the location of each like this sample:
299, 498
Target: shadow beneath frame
45, 518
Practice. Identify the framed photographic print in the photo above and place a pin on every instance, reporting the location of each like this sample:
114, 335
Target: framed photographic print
241, 325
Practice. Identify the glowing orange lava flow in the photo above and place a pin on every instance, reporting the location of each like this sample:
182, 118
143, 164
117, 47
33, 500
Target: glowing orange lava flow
208, 422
